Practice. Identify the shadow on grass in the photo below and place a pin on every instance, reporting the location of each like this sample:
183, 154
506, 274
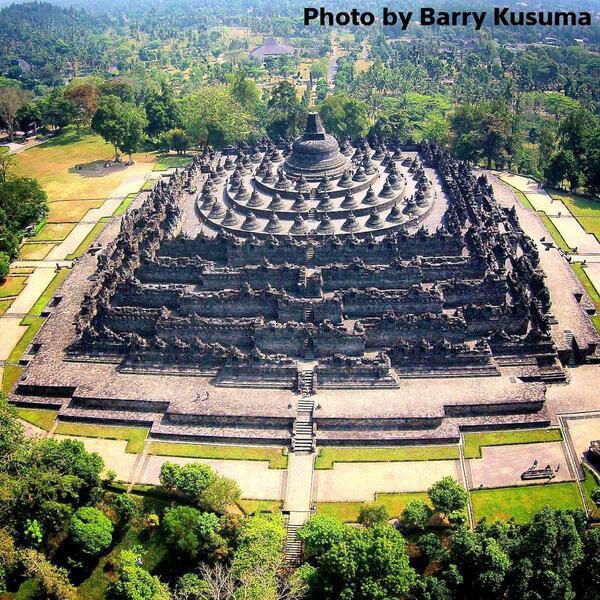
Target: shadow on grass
98, 168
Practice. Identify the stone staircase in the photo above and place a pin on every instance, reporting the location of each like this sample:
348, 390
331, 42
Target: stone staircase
309, 314
569, 339
293, 546
302, 436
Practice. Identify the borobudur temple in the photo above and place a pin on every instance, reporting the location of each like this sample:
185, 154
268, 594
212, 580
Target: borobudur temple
312, 292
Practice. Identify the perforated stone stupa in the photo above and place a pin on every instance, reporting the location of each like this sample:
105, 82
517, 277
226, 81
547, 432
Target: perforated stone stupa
384, 279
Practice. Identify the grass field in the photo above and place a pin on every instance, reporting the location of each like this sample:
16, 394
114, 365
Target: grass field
520, 196
277, 459
474, 441
11, 375
250, 507
38, 417
587, 284
54, 165
348, 511
167, 162
4, 304
49, 292
34, 251
585, 210
35, 324
328, 456
135, 436
89, 239
71, 211
12, 286
53, 232
521, 503
556, 236
124, 205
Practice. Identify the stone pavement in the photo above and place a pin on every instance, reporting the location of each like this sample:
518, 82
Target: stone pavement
37, 282
582, 430
501, 466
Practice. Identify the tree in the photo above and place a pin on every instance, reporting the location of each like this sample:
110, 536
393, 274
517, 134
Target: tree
120, 124
52, 583
219, 494
212, 116
373, 514
417, 514
369, 564
447, 496
91, 530
162, 112
190, 480
4, 265
431, 547
287, 113
135, 583
344, 116
117, 87
12, 99
8, 557
562, 166
85, 99
192, 532
178, 140
321, 533
11, 434
587, 575
245, 91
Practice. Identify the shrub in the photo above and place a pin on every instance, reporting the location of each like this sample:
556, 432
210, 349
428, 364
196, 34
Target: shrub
220, 494
416, 515
447, 496
373, 514
91, 530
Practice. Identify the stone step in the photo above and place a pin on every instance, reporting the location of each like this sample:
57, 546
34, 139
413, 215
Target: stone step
109, 417
264, 435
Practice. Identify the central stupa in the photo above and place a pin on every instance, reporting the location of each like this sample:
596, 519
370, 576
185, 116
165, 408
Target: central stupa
315, 153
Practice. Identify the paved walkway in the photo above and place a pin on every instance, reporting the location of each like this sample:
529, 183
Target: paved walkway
568, 226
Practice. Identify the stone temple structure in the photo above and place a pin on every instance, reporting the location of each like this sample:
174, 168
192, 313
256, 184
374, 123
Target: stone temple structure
307, 292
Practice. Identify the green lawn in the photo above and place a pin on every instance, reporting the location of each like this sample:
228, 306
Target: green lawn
135, 436
148, 185
521, 503
35, 251
11, 375
49, 292
124, 205
167, 162
89, 238
52, 232
277, 459
348, 511
588, 484
329, 455
587, 284
519, 195
250, 507
35, 324
556, 236
154, 551
474, 441
585, 210
38, 417
12, 286
4, 304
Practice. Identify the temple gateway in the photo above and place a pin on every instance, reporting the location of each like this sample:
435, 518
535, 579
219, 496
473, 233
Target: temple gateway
310, 292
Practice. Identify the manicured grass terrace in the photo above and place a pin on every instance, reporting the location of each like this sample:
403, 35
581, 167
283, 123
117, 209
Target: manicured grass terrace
348, 511
521, 503
474, 441
135, 436
327, 456
277, 459
38, 417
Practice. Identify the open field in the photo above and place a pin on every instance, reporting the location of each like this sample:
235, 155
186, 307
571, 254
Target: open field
71, 211
34, 251
168, 162
38, 417
12, 286
10, 376
326, 457
135, 436
55, 165
250, 507
52, 232
474, 441
348, 511
277, 459
521, 503
4, 304
587, 284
